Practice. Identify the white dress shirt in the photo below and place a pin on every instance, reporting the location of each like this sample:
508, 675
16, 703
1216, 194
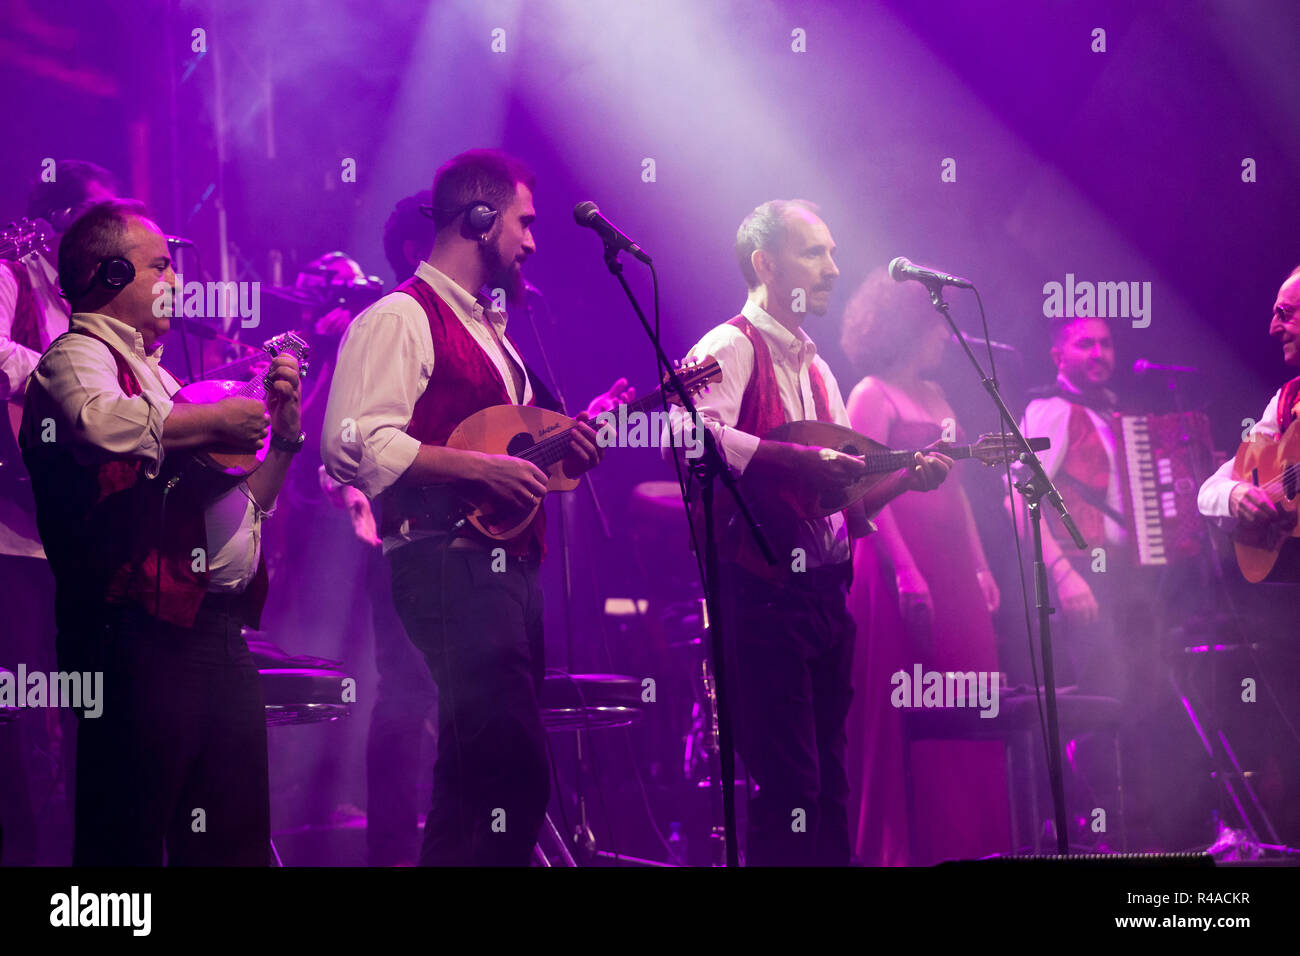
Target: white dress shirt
384, 365
1212, 499
825, 540
18, 361
18, 534
76, 387
1050, 417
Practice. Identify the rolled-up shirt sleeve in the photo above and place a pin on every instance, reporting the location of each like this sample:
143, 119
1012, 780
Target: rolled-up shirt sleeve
78, 382
719, 406
384, 365
1213, 498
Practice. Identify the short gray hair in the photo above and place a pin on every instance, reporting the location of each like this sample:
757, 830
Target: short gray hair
765, 228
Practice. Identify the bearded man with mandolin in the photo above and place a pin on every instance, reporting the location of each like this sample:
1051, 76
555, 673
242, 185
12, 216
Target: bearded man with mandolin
460, 519
1254, 494
779, 418
156, 571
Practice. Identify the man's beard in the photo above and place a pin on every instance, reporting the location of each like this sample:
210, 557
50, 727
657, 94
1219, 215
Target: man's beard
503, 275
1104, 371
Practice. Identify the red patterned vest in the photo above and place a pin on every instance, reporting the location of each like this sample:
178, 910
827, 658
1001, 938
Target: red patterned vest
464, 381
760, 412
1086, 466
1286, 404
115, 536
760, 406
26, 329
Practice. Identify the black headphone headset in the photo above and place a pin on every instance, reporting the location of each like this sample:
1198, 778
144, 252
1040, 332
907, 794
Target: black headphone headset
479, 219
114, 272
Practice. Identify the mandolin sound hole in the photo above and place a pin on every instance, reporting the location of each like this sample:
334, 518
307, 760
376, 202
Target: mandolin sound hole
519, 444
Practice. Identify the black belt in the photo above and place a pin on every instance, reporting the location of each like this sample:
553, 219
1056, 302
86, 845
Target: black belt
823, 579
230, 603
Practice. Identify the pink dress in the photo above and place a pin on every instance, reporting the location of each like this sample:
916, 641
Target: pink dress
959, 787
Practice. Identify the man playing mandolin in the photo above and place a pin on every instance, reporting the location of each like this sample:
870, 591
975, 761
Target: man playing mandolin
1226, 497
153, 580
411, 368
792, 633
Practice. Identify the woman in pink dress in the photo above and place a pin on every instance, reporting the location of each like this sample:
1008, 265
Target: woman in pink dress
922, 593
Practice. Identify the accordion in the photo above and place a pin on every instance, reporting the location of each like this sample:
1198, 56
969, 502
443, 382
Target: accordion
1162, 461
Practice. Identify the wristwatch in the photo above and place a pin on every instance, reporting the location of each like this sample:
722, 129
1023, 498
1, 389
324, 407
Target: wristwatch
292, 446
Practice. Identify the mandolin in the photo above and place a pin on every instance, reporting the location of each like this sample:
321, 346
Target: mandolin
779, 507
541, 436
224, 460
806, 502
1273, 465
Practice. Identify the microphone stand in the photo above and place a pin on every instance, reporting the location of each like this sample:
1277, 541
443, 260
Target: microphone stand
1034, 489
709, 466
565, 508
583, 838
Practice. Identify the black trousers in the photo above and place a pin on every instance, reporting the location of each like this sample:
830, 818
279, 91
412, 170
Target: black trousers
792, 656
480, 630
406, 695
177, 758
27, 638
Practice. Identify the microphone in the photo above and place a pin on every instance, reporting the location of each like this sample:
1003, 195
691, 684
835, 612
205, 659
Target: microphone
175, 242
1142, 367
901, 269
587, 214
987, 343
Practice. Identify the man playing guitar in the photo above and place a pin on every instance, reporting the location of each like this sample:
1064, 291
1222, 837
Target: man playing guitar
1242, 503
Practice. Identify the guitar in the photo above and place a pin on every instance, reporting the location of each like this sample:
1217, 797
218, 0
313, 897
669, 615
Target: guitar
18, 241
542, 437
1273, 465
225, 461
778, 507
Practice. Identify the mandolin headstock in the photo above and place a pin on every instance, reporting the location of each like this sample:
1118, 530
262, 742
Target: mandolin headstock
291, 343
23, 237
996, 449
695, 375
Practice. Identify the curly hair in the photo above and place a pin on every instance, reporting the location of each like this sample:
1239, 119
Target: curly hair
881, 322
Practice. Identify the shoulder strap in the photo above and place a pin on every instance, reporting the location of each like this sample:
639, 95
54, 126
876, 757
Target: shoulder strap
1286, 404
821, 397
125, 376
